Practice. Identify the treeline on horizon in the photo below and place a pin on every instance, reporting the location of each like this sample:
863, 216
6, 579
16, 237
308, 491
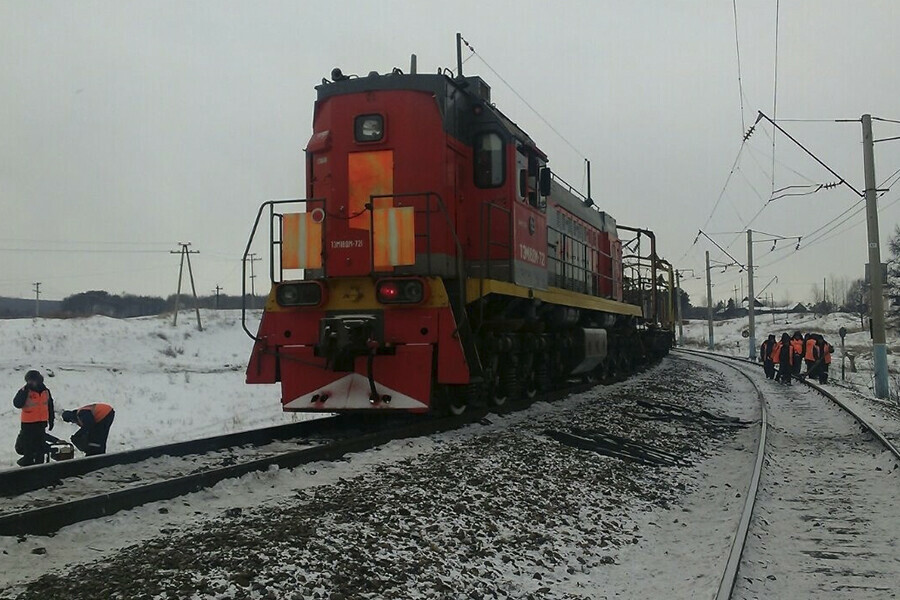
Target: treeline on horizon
98, 302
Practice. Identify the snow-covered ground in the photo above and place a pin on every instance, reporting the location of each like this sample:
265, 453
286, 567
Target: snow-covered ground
499, 509
166, 383
729, 340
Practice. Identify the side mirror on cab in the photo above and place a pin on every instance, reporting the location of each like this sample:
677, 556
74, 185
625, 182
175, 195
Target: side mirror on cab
544, 186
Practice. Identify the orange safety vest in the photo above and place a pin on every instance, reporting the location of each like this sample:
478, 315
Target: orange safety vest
98, 409
810, 353
797, 346
776, 352
828, 350
37, 407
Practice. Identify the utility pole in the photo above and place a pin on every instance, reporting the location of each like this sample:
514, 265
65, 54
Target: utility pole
751, 311
37, 298
217, 290
252, 258
879, 350
678, 308
186, 257
709, 304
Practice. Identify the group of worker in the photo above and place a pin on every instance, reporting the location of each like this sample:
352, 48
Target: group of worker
36, 404
790, 352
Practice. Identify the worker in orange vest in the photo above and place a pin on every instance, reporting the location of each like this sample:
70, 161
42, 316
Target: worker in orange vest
809, 345
812, 356
796, 352
36, 403
94, 421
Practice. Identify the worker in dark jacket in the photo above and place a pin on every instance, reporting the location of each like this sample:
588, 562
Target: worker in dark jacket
94, 421
765, 355
797, 352
825, 352
36, 403
813, 356
785, 356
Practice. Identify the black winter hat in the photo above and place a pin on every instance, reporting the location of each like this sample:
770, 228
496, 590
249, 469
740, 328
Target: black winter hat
35, 376
69, 416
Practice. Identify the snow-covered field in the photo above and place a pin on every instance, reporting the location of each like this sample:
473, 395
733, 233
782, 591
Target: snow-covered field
728, 340
166, 383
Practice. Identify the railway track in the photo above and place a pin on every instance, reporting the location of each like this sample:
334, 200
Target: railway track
823, 554
40, 500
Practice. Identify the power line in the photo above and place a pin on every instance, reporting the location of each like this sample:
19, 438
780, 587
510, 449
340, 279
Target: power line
814, 157
96, 242
783, 120
816, 188
82, 251
731, 171
524, 101
884, 120
737, 47
723, 250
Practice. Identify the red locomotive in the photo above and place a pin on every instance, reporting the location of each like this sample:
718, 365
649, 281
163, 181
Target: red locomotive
438, 263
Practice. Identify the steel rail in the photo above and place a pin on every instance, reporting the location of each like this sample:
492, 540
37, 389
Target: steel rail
20, 480
48, 519
892, 448
726, 586
730, 573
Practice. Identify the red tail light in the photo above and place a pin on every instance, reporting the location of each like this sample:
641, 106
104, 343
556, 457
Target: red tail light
401, 291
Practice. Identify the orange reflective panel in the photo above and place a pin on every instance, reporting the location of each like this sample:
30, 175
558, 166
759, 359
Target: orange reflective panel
301, 242
394, 237
369, 174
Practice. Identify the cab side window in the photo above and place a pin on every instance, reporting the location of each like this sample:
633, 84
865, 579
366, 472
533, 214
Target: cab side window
489, 171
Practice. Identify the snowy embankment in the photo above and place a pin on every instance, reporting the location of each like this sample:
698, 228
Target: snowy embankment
166, 383
729, 340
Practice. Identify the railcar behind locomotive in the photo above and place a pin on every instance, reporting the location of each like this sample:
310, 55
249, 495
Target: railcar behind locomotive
438, 263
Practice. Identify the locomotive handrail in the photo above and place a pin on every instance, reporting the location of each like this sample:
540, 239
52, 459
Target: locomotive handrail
271, 206
571, 189
460, 257
562, 256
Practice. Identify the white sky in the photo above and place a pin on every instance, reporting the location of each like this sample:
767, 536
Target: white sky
126, 127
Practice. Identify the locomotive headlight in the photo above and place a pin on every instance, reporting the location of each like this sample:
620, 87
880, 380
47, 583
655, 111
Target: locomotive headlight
401, 291
308, 293
369, 128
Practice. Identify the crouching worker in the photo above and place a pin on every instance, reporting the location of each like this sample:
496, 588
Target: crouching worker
37, 414
94, 421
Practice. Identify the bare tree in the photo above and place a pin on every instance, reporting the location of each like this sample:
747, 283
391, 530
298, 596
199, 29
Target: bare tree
858, 300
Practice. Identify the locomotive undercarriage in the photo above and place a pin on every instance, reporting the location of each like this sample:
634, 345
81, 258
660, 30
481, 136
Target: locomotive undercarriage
526, 348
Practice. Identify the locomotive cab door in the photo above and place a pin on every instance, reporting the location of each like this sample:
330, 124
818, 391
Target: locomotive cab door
530, 220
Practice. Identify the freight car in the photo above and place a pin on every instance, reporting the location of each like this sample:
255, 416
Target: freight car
437, 262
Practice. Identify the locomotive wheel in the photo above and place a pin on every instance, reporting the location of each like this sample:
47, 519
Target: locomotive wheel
542, 374
456, 399
529, 378
497, 395
457, 404
510, 384
627, 364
